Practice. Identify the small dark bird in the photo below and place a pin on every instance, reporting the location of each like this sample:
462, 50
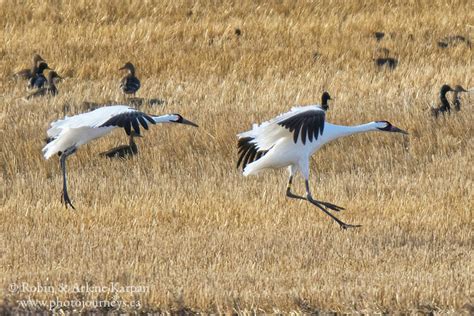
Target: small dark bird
38, 79
387, 61
130, 83
379, 35
383, 50
50, 89
238, 32
456, 98
28, 73
444, 106
123, 151
453, 40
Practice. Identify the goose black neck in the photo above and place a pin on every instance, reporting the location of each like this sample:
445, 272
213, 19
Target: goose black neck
444, 102
324, 100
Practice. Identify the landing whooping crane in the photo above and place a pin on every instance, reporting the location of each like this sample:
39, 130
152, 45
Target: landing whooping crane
67, 135
130, 83
290, 139
29, 72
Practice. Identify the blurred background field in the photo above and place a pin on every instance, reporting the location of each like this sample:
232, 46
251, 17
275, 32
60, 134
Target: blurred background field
181, 219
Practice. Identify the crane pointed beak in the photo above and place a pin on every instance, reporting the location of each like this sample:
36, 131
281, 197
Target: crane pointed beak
186, 122
397, 130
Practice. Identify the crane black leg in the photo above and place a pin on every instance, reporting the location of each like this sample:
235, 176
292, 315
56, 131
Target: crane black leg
294, 196
289, 193
64, 155
320, 206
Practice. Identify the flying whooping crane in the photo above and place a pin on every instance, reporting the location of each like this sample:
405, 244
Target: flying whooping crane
130, 83
290, 139
67, 135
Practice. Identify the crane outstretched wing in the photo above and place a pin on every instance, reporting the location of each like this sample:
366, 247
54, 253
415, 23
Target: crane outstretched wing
116, 115
130, 119
308, 124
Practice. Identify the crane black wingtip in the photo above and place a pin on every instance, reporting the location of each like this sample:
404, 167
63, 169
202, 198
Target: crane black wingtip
248, 152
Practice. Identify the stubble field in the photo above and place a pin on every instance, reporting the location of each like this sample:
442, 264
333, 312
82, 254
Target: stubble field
179, 219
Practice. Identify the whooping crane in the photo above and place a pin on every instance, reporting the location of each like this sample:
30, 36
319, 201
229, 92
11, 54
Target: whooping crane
123, 151
290, 139
67, 135
38, 79
29, 72
50, 89
130, 83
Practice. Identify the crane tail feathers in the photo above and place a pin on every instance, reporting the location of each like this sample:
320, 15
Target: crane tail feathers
51, 148
248, 152
251, 169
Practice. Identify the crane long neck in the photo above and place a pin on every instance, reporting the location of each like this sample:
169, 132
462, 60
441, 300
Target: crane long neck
338, 131
167, 118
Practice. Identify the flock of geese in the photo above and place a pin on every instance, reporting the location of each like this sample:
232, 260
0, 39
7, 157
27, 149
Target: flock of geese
286, 141
47, 86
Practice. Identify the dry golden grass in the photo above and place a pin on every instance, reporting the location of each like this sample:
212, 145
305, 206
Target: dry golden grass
181, 219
